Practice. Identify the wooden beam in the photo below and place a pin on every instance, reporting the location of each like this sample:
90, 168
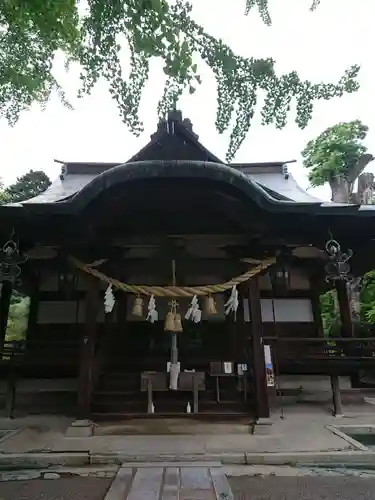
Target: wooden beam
262, 406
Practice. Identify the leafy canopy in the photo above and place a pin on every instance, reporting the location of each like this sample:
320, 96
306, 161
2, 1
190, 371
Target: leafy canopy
31, 31
335, 152
27, 186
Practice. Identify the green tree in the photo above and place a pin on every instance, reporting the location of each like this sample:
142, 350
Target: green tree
338, 156
3, 195
32, 31
27, 186
18, 318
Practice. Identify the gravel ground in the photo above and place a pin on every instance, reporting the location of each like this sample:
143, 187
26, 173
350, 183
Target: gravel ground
302, 488
74, 488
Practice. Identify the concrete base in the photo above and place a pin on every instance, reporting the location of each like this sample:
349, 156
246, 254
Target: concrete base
263, 426
80, 428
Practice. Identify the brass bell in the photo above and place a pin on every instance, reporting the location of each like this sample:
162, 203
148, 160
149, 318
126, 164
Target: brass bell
177, 323
169, 324
138, 307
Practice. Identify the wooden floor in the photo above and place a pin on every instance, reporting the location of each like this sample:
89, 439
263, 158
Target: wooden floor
170, 482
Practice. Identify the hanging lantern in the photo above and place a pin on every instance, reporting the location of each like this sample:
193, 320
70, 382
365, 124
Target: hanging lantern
10, 258
210, 306
337, 268
138, 306
280, 277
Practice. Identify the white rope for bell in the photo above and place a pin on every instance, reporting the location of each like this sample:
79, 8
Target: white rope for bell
194, 313
232, 303
109, 300
152, 314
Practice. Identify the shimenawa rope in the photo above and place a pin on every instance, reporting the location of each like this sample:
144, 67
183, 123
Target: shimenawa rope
174, 291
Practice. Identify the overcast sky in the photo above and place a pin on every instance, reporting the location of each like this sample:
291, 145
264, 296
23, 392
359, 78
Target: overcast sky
319, 45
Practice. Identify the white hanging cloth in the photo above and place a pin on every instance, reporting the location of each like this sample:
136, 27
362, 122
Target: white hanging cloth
194, 313
152, 314
232, 303
174, 372
109, 300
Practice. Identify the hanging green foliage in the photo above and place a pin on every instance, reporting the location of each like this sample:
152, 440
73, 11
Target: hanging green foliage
32, 31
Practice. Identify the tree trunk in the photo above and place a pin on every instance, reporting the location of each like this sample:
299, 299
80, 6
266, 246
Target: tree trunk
341, 189
342, 192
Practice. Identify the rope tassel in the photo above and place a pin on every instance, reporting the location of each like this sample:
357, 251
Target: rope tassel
210, 306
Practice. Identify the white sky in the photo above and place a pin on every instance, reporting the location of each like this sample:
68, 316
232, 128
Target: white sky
319, 45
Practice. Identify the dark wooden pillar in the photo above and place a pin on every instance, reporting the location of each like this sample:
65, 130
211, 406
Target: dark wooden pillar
259, 369
336, 396
92, 308
6, 292
231, 326
347, 329
32, 320
315, 305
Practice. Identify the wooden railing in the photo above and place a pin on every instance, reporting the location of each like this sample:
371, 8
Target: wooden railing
323, 349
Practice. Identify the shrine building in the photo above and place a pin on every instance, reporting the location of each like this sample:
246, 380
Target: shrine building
174, 284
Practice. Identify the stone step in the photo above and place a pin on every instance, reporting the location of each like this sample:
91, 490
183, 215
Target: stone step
153, 482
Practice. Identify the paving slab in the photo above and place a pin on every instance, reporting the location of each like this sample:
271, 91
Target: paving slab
153, 482
75, 488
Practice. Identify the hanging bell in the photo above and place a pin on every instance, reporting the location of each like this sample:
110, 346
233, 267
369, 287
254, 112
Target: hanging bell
177, 323
210, 306
169, 325
138, 307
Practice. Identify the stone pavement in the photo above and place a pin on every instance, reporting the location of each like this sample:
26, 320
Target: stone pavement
303, 488
303, 429
73, 488
153, 482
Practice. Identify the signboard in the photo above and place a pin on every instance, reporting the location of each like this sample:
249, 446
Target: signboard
270, 376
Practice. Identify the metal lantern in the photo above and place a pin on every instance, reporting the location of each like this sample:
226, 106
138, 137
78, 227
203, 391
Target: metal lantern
337, 268
10, 260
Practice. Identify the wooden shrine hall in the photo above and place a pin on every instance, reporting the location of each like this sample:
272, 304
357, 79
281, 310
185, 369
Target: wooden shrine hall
175, 284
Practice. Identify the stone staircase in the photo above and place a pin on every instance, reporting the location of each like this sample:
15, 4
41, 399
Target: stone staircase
157, 481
